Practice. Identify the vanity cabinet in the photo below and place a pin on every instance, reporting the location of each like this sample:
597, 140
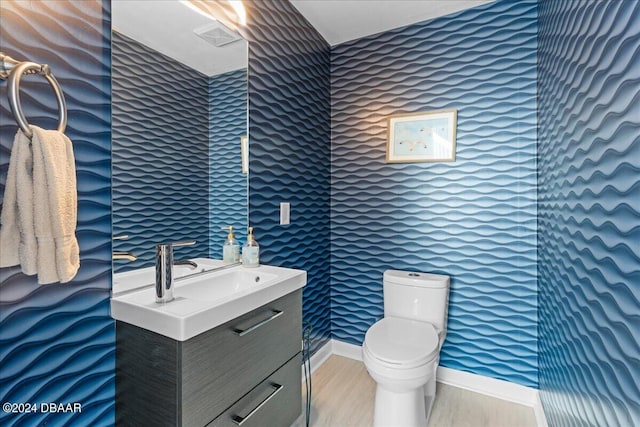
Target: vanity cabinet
246, 371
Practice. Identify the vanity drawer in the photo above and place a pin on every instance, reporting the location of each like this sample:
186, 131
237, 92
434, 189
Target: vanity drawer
219, 366
276, 399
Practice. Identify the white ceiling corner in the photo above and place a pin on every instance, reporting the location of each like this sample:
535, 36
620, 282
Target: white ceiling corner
168, 26
339, 21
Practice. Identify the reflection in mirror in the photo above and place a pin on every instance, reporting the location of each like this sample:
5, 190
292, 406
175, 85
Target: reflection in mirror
179, 111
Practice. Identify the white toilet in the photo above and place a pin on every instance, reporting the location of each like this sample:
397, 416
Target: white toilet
402, 350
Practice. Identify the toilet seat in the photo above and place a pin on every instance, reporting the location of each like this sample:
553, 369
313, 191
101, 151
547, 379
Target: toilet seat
402, 343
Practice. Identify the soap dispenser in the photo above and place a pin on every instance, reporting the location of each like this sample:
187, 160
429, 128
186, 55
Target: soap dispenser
230, 248
251, 251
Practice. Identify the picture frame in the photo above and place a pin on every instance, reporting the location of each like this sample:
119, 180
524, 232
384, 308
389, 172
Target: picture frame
244, 151
422, 137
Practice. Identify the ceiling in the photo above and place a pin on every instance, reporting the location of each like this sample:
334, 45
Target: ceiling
168, 26
342, 20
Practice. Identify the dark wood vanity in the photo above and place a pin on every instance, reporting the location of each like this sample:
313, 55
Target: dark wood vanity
245, 372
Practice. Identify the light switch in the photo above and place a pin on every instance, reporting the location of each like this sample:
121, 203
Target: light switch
285, 208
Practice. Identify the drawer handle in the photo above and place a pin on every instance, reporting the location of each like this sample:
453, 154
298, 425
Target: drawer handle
240, 420
274, 314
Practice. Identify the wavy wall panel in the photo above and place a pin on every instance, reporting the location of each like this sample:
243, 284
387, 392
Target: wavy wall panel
227, 184
589, 212
474, 219
160, 153
57, 341
289, 154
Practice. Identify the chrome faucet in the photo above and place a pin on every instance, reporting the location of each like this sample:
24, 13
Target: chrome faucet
121, 254
188, 262
124, 255
164, 269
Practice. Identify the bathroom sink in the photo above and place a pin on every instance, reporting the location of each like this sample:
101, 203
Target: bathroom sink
207, 300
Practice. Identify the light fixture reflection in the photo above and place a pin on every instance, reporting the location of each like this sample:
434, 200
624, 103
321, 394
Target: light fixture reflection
240, 11
228, 12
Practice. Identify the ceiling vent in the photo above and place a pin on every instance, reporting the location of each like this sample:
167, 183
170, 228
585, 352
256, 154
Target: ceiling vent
216, 34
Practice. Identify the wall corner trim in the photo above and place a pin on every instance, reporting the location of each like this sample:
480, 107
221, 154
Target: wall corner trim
538, 410
341, 348
500, 389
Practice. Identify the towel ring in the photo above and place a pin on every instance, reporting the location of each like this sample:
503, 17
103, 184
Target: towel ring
14, 94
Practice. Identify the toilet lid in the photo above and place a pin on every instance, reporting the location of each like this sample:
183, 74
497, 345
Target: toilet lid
402, 341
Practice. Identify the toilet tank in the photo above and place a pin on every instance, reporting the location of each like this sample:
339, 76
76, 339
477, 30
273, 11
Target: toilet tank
417, 296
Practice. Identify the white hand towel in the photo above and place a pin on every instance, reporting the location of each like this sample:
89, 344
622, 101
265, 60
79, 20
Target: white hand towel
55, 206
18, 245
39, 212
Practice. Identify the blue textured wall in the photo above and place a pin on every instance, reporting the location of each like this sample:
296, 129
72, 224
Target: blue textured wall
589, 212
160, 153
227, 184
474, 219
289, 154
57, 341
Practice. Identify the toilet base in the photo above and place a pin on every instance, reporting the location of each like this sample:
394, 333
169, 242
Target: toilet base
407, 409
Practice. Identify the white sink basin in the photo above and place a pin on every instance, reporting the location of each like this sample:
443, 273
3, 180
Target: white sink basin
207, 300
223, 285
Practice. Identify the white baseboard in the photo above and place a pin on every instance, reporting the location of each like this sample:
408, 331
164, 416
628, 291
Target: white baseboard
500, 389
538, 410
351, 351
319, 357
489, 386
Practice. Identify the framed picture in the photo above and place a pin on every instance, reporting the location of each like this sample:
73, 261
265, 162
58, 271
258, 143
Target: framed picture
422, 137
244, 150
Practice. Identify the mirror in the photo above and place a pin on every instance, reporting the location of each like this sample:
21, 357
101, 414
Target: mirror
179, 113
